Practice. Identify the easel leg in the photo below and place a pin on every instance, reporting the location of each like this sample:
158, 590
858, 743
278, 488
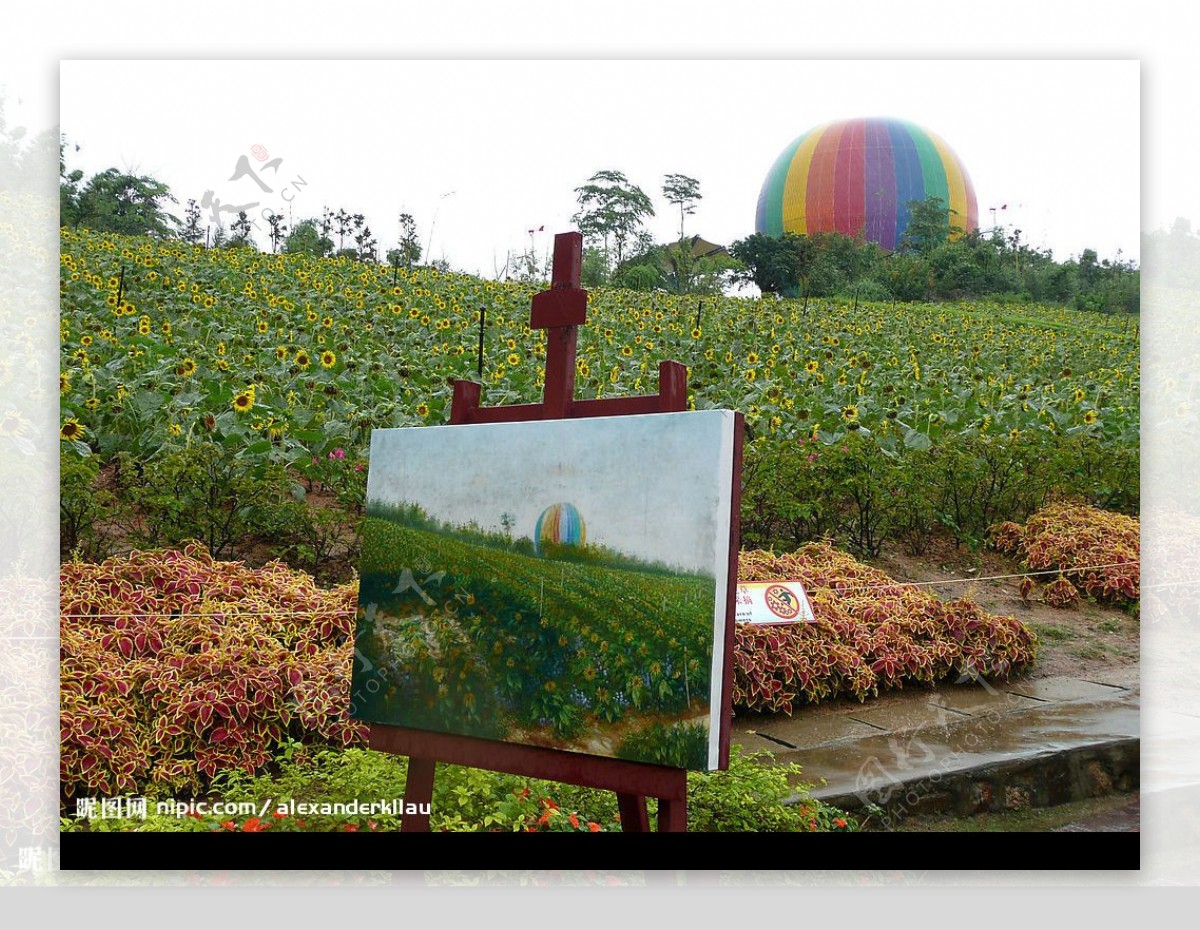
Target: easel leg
418, 789
634, 818
672, 815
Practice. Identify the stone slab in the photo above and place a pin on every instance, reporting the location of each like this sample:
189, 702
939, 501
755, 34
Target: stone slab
907, 715
976, 700
1065, 689
803, 731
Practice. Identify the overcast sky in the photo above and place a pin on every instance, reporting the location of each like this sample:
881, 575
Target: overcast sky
647, 486
480, 152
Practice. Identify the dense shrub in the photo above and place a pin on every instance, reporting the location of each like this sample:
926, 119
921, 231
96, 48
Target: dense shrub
1093, 550
175, 666
870, 633
752, 795
861, 494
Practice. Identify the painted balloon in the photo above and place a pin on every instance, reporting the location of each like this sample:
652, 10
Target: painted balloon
858, 177
560, 524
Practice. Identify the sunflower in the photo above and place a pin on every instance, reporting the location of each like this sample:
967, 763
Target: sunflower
328, 359
752, 358
422, 410
1090, 417
696, 333
244, 401
64, 382
186, 368
850, 414
144, 326
13, 424
281, 352
92, 403
174, 430
303, 359
627, 351
71, 430
208, 302
812, 366
1077, 396
261, 326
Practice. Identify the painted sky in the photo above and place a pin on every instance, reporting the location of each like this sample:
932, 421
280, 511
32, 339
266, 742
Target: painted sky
481, 152
648, 486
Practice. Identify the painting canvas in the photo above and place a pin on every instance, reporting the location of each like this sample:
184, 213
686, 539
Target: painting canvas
557, 583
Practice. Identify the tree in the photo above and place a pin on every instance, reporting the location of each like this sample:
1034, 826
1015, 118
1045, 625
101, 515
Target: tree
772, 263
306, 238
191, 233
364, 240
241, 232
684, 192
928, 225
115, 201
278, 228
408, 247
611, 208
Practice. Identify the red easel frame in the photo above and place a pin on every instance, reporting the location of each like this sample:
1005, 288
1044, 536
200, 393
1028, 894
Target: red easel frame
560, 311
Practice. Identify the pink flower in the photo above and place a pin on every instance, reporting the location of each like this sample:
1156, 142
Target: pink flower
337, 454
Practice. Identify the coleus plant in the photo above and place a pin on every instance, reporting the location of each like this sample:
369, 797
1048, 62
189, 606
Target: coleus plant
870, 633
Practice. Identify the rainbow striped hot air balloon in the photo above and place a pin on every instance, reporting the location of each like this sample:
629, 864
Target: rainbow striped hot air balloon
560, 524
858, 176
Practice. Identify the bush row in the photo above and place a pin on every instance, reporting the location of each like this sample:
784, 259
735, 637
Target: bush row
858, 495
870, 633
1092, 550
175, 666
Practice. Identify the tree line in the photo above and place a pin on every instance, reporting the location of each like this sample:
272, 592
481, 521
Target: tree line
935, 260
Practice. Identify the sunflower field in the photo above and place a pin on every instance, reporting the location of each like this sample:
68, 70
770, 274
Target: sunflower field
867, 422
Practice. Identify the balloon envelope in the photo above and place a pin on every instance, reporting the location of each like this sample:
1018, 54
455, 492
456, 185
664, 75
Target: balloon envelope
858, 177
561, 525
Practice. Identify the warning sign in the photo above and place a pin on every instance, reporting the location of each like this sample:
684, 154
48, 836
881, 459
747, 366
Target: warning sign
773, 602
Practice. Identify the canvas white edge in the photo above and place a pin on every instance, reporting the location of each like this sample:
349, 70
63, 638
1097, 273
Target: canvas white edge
721, 571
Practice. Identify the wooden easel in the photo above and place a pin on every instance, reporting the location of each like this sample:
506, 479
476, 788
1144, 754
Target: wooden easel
560, 311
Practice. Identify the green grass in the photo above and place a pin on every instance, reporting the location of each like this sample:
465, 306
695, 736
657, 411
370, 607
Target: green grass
1053, 634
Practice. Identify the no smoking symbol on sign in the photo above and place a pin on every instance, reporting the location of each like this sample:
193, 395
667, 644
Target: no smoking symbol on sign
782, 602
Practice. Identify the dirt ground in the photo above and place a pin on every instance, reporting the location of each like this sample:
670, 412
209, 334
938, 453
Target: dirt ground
1086, 640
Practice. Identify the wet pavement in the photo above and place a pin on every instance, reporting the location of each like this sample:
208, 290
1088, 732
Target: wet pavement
965, 748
